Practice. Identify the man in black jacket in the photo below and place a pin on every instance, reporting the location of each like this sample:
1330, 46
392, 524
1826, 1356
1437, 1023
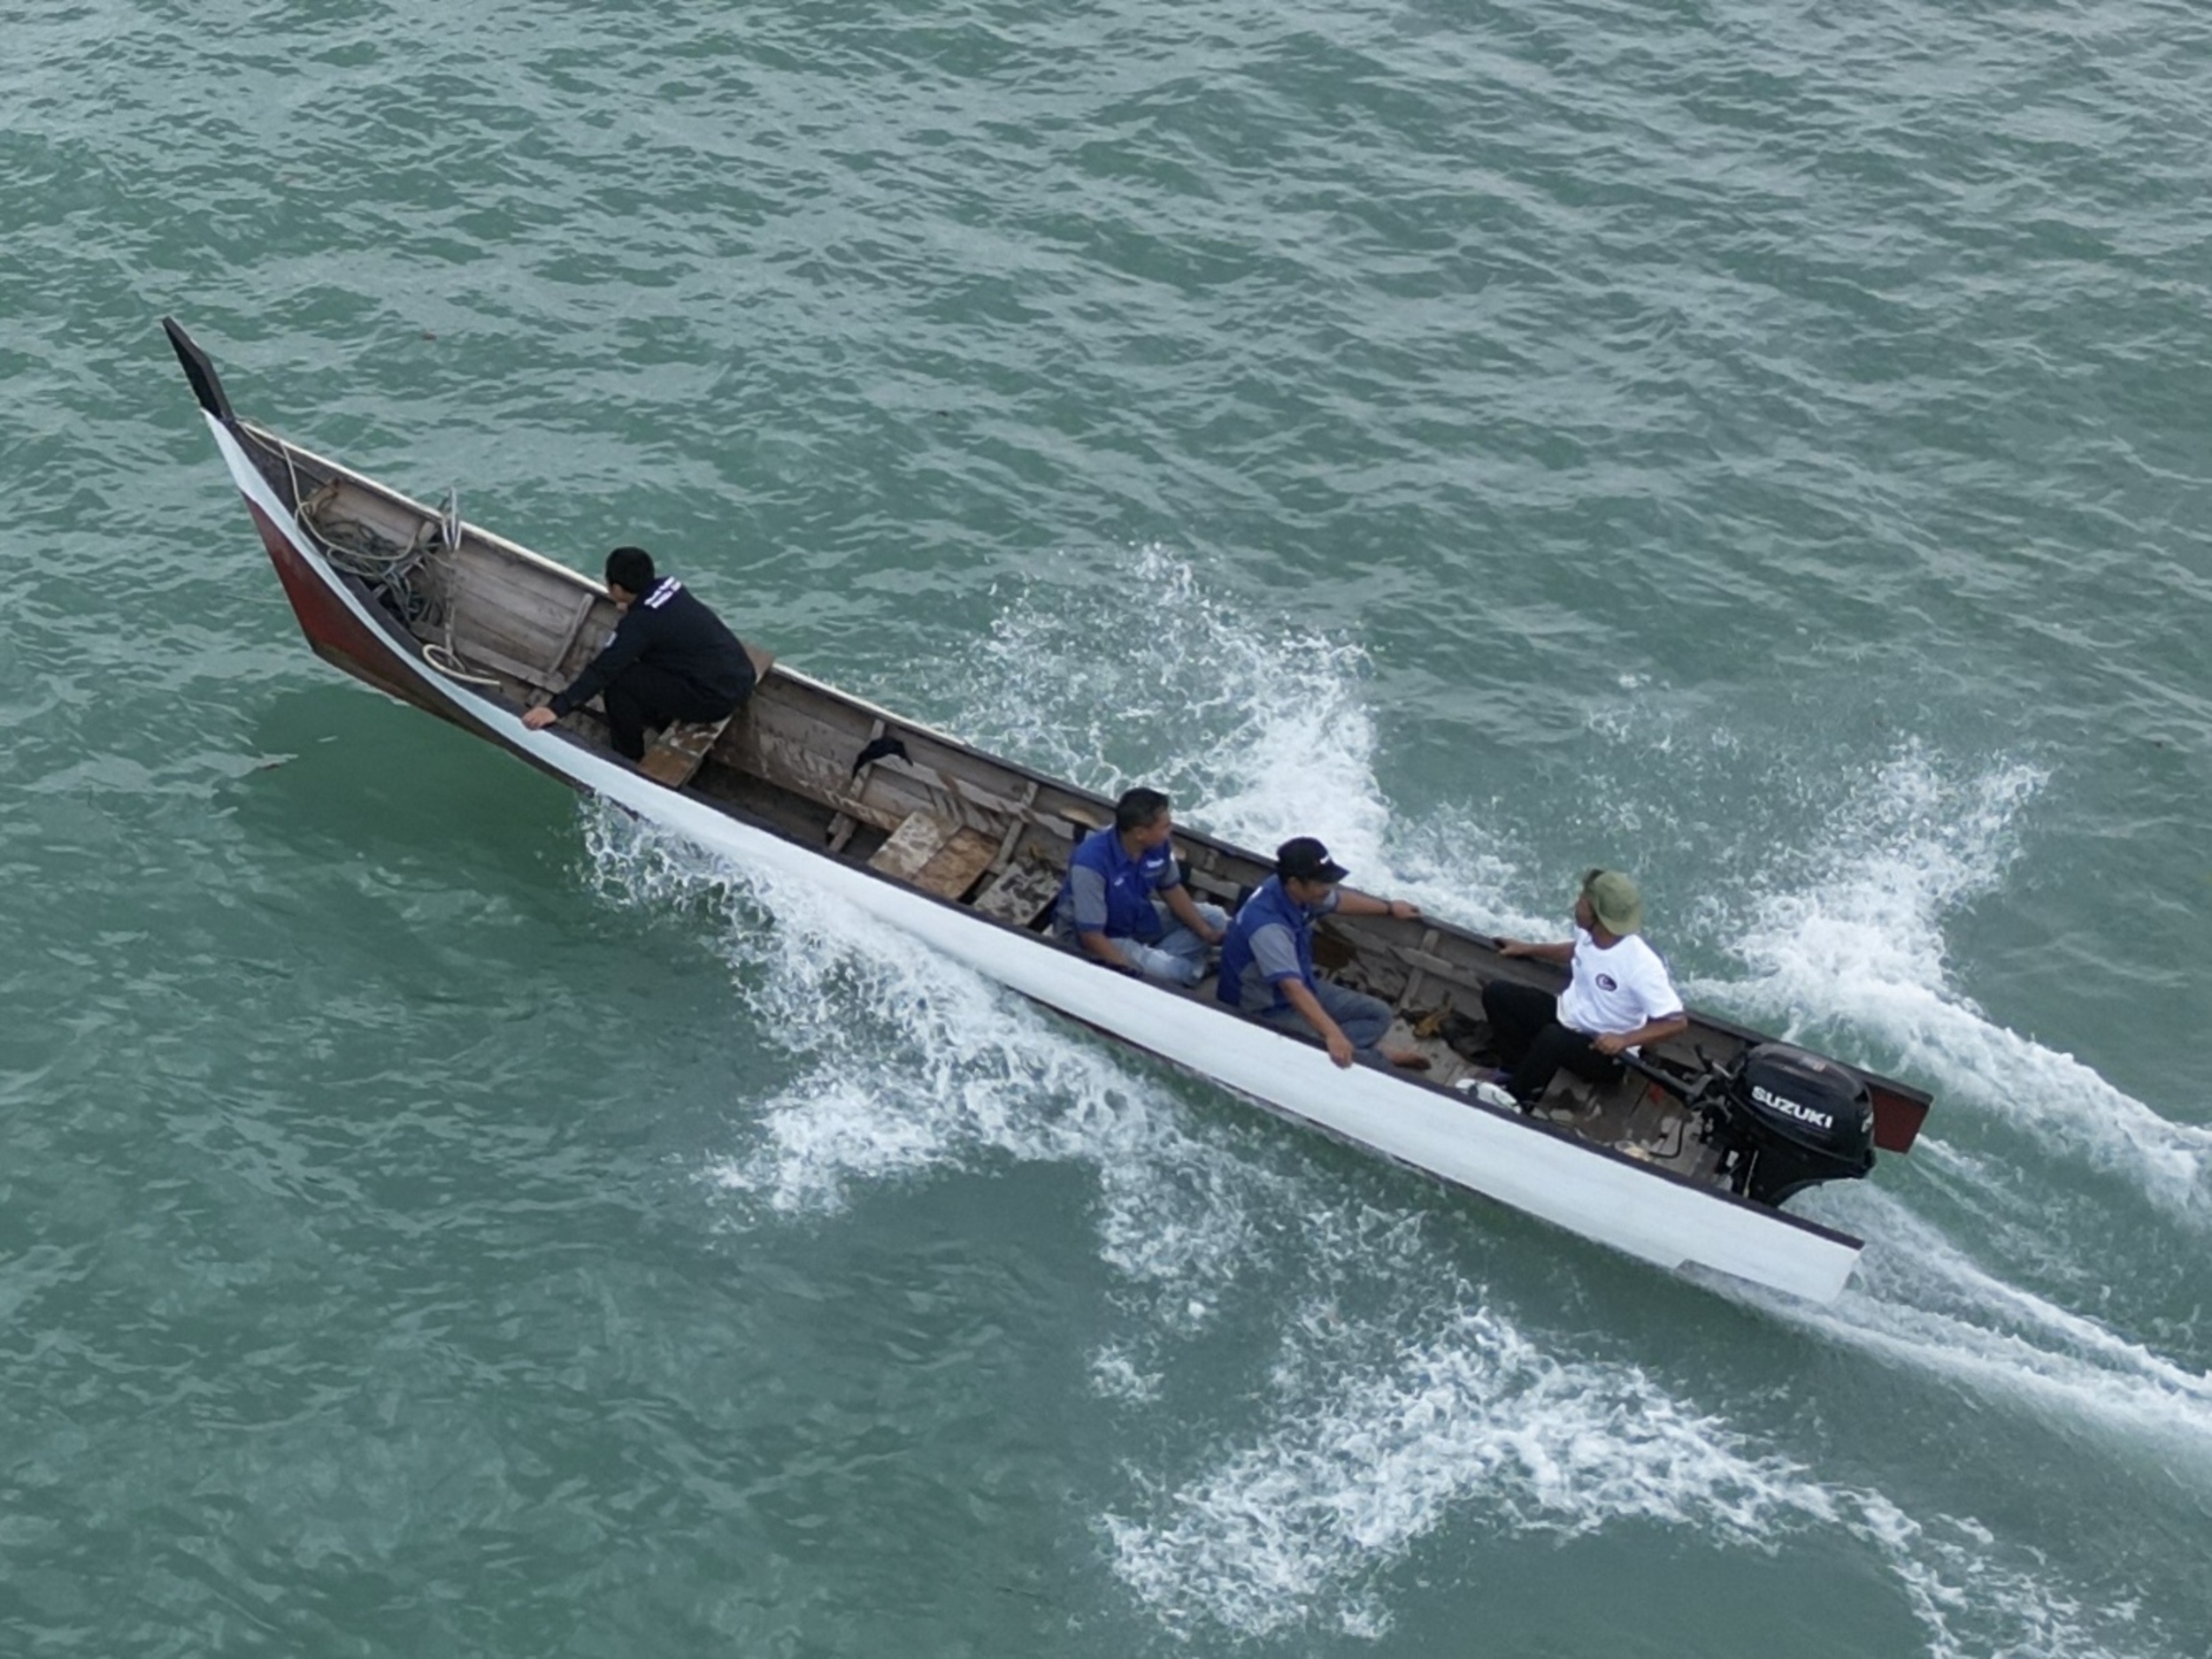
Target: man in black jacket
670, 658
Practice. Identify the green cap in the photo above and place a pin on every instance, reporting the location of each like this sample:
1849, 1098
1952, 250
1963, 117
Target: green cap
1614, 900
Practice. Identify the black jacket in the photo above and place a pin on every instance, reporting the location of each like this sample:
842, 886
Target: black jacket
669, 629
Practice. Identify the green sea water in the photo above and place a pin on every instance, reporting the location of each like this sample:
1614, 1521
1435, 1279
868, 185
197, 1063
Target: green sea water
1760, 445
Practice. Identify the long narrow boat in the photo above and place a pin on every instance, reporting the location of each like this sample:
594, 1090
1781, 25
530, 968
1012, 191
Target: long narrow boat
1685, 1163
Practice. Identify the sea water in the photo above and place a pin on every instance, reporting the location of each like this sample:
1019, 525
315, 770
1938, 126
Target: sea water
1761, 447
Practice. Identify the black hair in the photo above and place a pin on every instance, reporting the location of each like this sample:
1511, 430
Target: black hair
1139, 808
630, 569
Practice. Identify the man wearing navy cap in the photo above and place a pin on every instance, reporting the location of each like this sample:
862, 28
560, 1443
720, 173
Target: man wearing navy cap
1267, 957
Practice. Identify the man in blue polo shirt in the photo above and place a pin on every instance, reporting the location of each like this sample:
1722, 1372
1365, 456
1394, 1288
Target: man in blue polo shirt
1267, 960
1123, 901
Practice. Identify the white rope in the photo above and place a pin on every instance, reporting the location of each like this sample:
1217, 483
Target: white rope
447, 662
379, 560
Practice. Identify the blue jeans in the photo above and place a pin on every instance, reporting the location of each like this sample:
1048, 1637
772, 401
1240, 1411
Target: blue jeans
1360, 1018
1177, 956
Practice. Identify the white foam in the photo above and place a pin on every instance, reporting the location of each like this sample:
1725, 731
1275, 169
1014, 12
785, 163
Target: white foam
909, 1063
1379, 1431
1258, 725
1360, 1464
1480, 1428
1118, 1374
1921, 1301
1251, 724
1857, 942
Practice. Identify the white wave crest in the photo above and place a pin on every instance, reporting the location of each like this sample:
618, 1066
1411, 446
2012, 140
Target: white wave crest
1258, 725
910, 1063
1919, 1300
1478, 1428
1857, 945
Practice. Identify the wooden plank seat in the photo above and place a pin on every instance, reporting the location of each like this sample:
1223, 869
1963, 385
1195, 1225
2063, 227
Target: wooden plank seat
934, 855
682, 747
680, 750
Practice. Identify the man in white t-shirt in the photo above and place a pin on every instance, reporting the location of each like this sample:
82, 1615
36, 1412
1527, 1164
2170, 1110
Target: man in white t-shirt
1618, 998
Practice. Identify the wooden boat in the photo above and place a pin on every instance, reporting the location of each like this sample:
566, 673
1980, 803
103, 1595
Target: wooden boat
965, 852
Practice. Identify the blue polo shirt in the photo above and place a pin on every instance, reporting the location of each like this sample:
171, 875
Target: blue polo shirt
1108, 892
1269, 943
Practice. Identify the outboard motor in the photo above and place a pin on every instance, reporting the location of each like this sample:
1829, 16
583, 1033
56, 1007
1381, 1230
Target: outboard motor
1785, 1120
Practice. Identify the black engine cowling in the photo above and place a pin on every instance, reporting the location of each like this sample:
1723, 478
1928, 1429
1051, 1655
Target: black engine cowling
1788, 1119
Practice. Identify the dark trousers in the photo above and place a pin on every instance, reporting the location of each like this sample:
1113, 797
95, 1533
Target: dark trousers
1533, 1045
642, 696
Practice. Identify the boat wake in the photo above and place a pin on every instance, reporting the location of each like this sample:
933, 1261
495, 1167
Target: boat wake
1376, 1440
1920, 1299
908, 1064
1287, 1504
1431, 1407
1859, 938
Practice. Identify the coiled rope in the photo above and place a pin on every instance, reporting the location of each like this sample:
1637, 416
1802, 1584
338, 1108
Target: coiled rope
391, 568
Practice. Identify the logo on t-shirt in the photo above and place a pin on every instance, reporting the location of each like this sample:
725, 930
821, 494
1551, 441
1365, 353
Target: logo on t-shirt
1607, 982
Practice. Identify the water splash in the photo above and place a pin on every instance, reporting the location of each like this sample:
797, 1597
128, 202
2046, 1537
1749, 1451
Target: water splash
1376, 1441
1911, 844
1218, 711
1921, 1301
1856, 942
910, 1063
1259, 726
1384, 1429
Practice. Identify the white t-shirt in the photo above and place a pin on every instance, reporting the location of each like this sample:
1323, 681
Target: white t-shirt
1618, 988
